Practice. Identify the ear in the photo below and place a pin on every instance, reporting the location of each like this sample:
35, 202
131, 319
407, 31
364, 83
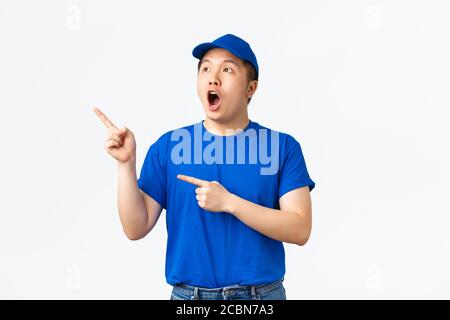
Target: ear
251, 88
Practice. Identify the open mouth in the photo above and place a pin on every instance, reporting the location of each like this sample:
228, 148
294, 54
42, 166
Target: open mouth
214, 100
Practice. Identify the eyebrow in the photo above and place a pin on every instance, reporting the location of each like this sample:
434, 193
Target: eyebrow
224, 61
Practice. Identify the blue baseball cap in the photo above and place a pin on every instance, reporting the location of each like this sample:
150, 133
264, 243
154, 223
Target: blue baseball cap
231, 43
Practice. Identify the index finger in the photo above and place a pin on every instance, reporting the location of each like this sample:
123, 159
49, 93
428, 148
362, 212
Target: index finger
104, 119
194, 181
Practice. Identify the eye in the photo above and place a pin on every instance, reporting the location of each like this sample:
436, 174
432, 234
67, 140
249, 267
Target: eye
204, 69
227, 69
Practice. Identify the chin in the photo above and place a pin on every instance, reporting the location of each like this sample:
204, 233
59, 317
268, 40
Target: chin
214, 115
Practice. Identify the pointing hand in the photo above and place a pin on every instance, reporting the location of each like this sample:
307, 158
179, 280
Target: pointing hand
211, 196
120, 143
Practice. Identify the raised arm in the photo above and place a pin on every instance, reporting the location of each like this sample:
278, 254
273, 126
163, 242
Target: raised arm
137, 211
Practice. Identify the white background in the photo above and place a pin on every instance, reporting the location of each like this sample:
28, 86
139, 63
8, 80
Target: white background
363, 85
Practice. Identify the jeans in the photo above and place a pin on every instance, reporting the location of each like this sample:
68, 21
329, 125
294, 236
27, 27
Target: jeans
271, 291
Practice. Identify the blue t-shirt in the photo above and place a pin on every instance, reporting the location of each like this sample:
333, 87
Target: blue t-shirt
215, 249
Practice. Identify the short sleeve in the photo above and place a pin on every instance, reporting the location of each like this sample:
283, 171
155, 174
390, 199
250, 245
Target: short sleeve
294, 173
152, 179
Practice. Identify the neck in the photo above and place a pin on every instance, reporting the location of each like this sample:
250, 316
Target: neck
224, 128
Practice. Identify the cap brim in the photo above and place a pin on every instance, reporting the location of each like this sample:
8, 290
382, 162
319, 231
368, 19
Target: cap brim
200, 50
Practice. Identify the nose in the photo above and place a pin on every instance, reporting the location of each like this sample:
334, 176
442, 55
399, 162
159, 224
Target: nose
214, 79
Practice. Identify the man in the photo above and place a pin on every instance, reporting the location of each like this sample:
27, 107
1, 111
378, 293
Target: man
233, 190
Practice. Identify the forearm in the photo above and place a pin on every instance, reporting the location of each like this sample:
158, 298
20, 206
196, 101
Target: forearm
286, 226
132, 211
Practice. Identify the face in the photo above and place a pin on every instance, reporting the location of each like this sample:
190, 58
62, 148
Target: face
223, 86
